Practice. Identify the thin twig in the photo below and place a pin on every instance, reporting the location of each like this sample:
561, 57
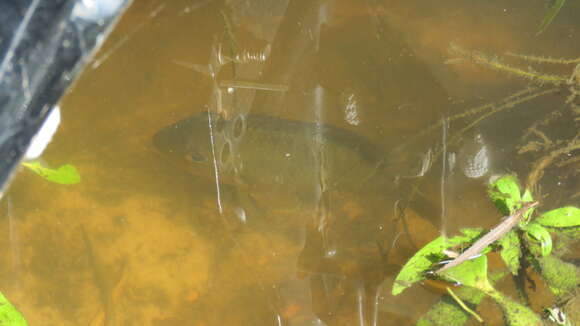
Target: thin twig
494, 234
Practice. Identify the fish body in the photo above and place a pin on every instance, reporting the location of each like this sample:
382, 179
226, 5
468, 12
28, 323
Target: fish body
302, 163
263, 152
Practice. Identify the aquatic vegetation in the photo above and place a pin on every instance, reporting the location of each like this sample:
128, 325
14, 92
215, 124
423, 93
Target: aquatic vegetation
550, 15
570, 82
64, 174
542, 84
522, 238
9, 315
536, 138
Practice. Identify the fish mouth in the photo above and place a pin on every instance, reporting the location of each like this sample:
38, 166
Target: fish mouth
162, 142
171, 140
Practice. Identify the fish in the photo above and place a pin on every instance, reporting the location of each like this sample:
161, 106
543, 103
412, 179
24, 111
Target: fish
266, 153
309, 162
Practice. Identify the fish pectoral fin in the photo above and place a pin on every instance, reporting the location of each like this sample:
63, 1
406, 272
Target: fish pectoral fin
240, 206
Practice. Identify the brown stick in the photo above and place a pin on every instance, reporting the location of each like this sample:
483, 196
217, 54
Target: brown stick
496, 233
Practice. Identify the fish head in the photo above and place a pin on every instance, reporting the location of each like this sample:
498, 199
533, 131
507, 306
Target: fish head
187, 142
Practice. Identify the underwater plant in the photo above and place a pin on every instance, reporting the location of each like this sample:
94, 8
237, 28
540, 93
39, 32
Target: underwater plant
550, 15
523, 239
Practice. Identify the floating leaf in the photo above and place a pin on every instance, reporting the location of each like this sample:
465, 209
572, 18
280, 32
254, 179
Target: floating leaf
65, 174
511, 251
550, 15
414, 270
563, 217
505, 194
9, 315
541, 236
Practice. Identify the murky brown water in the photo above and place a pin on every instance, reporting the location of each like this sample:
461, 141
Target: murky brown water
314, 241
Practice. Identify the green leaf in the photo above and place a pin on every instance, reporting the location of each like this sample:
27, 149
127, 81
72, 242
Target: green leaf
550, 15
541, 237
9, 315
505, 194
414, 270
472, 272
65, 174
563, 217
511, 251
527, 198
562, 277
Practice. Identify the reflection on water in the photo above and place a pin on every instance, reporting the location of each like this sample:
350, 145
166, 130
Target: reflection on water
246, 162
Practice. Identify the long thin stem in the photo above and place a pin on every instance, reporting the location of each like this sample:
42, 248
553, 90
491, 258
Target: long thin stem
539, 59
463, 305
482, 59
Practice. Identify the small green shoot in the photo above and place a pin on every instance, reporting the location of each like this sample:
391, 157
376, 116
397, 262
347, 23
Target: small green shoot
64, 174
550, 15
9, 315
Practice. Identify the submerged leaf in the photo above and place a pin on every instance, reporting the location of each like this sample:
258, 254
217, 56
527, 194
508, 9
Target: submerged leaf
562, 277
550, 15
472, 272
511, 251
563, 217
65, 174
9, 315
541, 235
414, 270
514, 313
505, 194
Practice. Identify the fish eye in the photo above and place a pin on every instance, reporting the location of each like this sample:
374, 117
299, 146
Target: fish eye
195, 157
